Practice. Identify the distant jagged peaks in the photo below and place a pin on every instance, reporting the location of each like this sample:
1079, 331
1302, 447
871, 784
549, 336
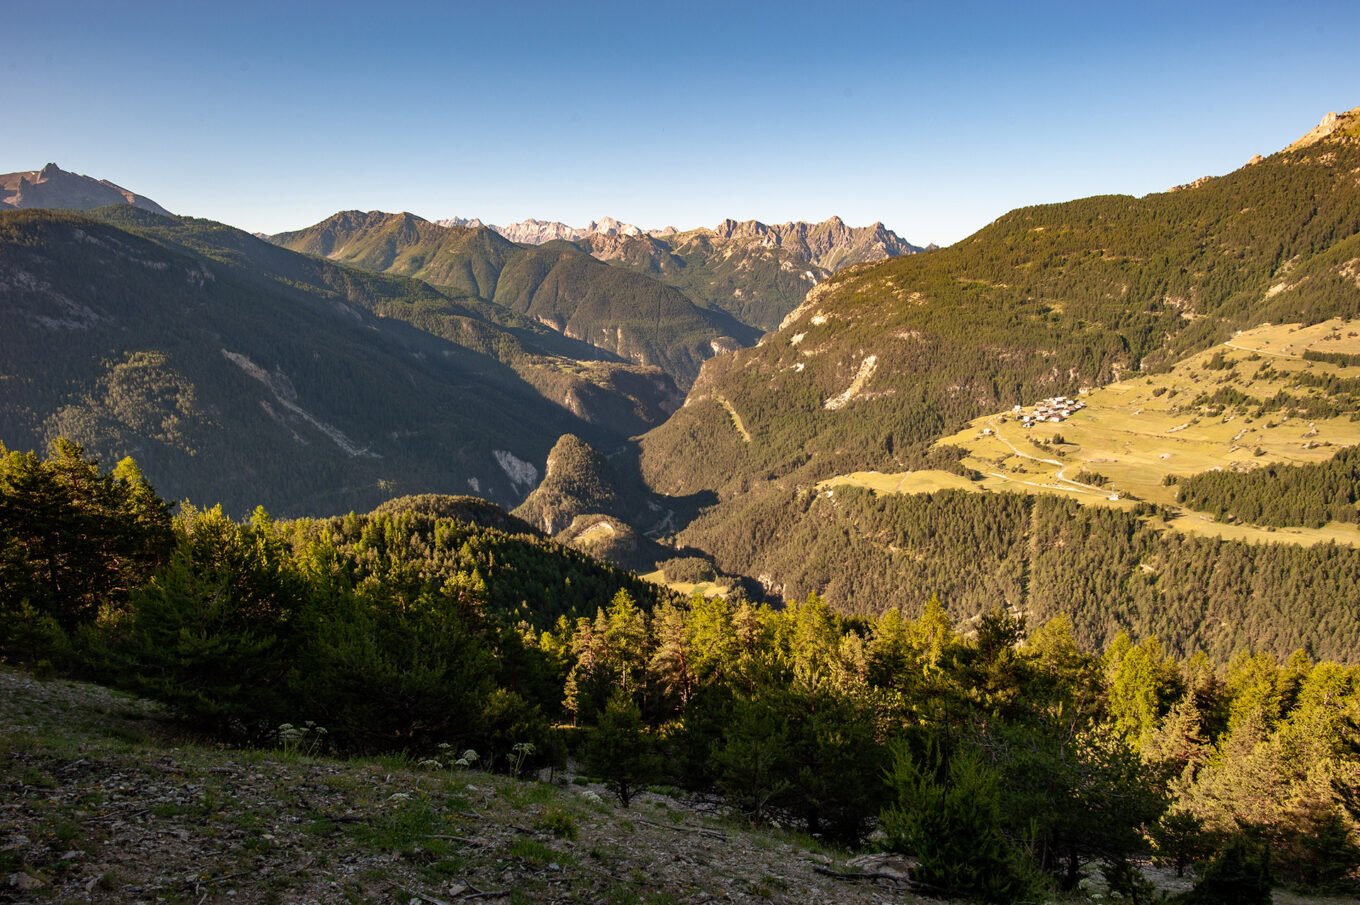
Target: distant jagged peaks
55, 188
461, 223
537, 232
830, 244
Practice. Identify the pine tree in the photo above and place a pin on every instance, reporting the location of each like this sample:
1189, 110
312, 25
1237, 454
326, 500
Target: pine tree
620, 750
946, 812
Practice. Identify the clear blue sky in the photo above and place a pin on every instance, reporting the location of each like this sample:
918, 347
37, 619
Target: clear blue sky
932, 117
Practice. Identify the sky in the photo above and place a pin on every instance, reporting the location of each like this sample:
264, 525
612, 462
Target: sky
935, 118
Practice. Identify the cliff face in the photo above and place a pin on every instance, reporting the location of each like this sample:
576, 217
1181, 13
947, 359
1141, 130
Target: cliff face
55, 188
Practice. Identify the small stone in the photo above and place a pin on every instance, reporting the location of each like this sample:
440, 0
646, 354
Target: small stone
25, 882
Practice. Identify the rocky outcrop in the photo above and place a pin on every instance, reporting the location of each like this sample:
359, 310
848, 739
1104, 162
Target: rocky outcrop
55, 188
1333, 125
586, 503
577, 480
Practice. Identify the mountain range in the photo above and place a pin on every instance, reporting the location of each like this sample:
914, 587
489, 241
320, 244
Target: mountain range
830, 244
753, 271
255, 342
238, 371
807, 396
620, 314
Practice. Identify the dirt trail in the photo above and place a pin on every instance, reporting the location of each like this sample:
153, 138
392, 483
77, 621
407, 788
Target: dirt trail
1263, 352
1074, 486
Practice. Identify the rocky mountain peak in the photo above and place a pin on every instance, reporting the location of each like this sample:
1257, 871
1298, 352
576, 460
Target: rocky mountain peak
830, 244
610, 227
55, 188
462, 223
1336, 126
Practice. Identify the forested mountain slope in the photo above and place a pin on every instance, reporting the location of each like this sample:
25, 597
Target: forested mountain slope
623, 315
882, 362
241, 372
881, 359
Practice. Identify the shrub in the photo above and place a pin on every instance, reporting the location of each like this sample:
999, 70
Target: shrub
620, 750
557, 821
1240, 874
948, 815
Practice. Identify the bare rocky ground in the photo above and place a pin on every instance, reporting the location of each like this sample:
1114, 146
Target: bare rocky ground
103, 799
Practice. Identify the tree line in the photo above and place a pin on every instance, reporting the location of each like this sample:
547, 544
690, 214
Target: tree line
1279, 494
1107, 569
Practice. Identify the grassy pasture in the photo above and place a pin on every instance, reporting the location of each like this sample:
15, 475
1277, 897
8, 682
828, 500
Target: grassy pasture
1138, 431
689, 589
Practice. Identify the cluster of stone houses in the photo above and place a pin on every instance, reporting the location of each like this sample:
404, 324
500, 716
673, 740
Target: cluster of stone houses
1055, 410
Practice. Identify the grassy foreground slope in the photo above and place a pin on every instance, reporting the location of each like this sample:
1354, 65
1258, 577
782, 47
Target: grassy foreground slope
107, 800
